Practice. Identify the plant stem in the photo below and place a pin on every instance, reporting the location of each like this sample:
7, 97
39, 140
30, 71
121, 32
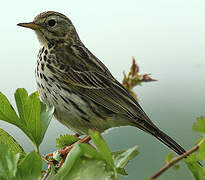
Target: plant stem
174, 161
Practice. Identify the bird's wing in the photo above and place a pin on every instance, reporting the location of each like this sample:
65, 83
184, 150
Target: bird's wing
104, 91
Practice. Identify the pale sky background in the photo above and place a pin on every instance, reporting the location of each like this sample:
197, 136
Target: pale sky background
167, 38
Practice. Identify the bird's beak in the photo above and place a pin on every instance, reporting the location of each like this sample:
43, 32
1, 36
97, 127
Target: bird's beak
30, 25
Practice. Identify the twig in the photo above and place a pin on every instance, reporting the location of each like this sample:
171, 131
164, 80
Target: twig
174, 161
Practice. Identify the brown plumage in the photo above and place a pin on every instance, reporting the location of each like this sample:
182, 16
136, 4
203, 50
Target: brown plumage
80, 87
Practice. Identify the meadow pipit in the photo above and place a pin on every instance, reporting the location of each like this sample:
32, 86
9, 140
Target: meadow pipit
80, 87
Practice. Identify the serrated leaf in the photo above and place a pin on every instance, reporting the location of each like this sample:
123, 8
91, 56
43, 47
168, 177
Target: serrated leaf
7, 112
8, 163
122, 157
65, 140
33, 118
8, 140
30, 167
199, 126
197, 171
169, 157
29, 108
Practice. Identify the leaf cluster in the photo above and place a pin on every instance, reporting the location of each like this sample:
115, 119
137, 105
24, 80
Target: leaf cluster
82, 162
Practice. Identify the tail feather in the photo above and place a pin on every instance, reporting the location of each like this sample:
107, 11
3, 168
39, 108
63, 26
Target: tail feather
168, 141
165, 139
161, 136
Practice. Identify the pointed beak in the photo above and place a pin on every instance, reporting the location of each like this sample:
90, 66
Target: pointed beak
30, 25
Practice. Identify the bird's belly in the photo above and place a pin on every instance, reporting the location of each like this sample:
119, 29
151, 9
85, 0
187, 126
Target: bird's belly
71, 109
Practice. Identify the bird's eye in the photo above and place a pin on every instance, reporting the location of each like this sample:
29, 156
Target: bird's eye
51, 22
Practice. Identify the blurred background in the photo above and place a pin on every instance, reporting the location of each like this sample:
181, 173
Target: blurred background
167, 38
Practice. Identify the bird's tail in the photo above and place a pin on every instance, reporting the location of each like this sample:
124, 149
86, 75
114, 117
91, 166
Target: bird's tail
168, 141
152, 129
164, 138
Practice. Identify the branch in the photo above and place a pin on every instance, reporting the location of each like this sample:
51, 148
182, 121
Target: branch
174, 161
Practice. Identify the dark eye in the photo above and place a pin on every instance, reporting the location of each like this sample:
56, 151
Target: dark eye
51, 22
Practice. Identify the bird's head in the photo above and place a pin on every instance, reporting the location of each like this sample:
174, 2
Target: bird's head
52, 27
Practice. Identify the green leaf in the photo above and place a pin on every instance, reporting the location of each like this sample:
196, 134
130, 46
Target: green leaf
66, 140
199, 126
8, 163
30, 167
34, 117
201, 152
85, 162
8, 140
82, 163
71, 159
197, 171
169, 157
102, 147
29, 108
122, 171
7, 112
122, 157
45, 116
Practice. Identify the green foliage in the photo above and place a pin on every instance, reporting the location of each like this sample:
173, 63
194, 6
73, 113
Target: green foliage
66, 140
30, 167
103, 150
197, 171
33, 117
82, 162
201, 153
11, 143
86, 162
122, 157
169, 158
199, 126
8, 163
12, 168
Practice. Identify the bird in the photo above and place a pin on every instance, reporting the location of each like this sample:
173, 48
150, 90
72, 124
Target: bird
82, 90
